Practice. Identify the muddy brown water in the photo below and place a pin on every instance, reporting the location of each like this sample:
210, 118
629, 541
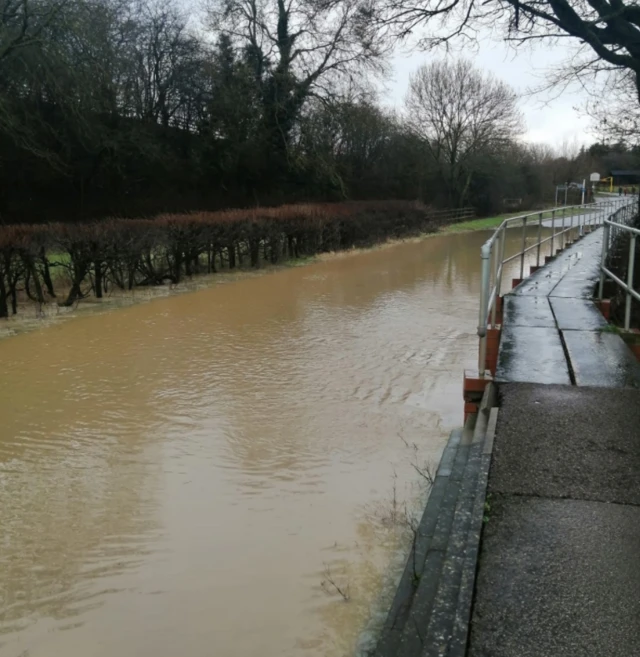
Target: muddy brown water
195, 475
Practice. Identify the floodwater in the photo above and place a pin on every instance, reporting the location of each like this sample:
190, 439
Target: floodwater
199, 474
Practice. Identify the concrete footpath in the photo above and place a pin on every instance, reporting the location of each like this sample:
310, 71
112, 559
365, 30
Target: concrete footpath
559, 569
552, 331
559, 565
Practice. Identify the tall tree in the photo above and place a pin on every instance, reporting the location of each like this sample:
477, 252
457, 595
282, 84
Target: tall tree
462, 116
296, 49
609, 29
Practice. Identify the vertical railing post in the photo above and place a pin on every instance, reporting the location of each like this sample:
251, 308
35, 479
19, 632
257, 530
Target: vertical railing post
497, 250
603, 260
539, 239
553, 230
500, 256
485, 254
632, 260
563, 240
571, 224
524, 246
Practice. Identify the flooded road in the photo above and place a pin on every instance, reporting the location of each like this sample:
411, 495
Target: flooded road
198, 475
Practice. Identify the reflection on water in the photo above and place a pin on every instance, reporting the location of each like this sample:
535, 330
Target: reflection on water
177, 477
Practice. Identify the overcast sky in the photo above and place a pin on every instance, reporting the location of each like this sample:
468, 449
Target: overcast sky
550, 120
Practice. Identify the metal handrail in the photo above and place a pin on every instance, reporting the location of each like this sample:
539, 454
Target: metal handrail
614, 227
493, 252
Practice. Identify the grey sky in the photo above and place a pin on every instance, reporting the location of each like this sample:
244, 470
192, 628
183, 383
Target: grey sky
550, 120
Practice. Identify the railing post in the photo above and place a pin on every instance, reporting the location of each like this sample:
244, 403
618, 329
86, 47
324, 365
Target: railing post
553, 230
571, 224
524, 246
603, 260
496, 269
485, 254
632, 260
563, 240
539, 240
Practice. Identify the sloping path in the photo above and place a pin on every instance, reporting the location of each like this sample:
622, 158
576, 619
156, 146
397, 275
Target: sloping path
552, 331
559, 573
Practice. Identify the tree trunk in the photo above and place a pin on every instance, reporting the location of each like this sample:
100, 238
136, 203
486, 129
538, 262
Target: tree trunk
177, 266
32, 273
97, 272
254, 252
276, 249
4, 309
211, 258
46, 274
14, 296
76, 291
74, 294
232, 255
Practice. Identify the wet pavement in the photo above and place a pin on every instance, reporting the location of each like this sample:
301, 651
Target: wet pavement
552, 331
601, 359
559, 573
577, 314
532, 354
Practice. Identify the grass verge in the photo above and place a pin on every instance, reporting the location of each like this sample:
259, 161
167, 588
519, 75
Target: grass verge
487, 223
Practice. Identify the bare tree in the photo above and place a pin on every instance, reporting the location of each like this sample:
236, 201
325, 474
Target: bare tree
22, 23
164, 59
297, 49
610, 29
615, 110
460, 113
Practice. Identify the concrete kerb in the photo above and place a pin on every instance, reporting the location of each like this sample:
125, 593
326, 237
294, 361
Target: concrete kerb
464, 609
436, 588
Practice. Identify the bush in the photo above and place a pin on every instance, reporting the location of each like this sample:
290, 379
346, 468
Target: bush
125, 253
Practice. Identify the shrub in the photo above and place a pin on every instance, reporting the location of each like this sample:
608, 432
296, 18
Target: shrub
133, 252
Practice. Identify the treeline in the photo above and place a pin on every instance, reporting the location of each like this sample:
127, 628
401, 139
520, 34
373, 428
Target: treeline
132, 108
100, 256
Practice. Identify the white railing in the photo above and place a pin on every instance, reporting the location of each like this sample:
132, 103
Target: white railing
563, 223
615, 227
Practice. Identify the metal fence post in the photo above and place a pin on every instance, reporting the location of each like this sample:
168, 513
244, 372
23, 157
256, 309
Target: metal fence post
485, 254
632, 260
571, 225
553, 229
539, 239
603, 260
524, 246
496, 268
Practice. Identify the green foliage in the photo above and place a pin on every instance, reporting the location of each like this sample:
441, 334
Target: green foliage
611, 328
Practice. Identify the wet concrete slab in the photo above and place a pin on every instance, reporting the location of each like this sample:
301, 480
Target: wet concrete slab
577, 314
569, 274
540, 284
580, 281
567, 442
601, 359
559, 574
552, 332
558, 578
531, 354
527, 311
